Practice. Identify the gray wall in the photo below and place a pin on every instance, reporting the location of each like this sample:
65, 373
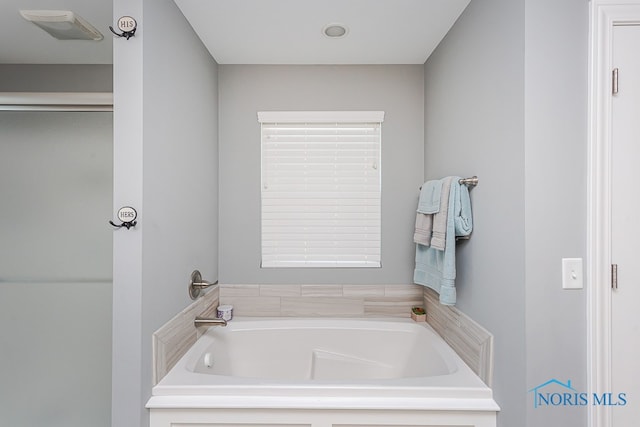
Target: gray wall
56, 78
555, 175
165, 149
245, 90
521, 97
180, 168
55, 268
474, 125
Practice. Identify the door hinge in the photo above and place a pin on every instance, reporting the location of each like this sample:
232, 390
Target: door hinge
614, 276
614, 82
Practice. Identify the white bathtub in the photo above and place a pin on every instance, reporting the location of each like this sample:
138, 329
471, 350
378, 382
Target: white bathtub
322, 365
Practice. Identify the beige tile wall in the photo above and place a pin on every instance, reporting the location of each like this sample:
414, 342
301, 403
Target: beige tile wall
175, 337
322, 300
472, 342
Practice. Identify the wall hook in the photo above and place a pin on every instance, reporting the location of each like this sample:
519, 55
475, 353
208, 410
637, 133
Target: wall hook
127, 215
127, 25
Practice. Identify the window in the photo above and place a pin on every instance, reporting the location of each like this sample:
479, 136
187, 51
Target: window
321, 184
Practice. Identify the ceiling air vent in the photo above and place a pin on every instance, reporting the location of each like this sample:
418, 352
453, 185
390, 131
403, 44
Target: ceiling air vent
62, 24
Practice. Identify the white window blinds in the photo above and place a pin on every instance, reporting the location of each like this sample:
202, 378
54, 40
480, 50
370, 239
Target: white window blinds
321, 189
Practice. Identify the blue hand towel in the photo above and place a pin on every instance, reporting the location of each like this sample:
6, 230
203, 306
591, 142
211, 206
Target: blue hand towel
441, 219
435, 268
463, 219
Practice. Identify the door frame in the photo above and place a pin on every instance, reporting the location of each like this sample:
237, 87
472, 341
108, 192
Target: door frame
604, 15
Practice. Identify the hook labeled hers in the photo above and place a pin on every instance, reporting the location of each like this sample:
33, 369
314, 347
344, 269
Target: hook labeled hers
127, 25
127, 215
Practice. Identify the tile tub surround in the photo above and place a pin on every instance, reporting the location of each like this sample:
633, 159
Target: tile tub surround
175, 337
469, 340
322, 300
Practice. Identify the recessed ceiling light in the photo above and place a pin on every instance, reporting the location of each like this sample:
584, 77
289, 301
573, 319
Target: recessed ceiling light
62, 24
335, 31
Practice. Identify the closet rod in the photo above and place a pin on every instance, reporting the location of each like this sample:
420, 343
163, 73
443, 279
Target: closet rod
56, 101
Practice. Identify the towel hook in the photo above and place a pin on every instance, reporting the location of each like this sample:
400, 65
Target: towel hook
127, 216
127, 25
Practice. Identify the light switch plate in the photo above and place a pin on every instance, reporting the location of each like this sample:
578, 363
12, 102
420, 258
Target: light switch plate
571, 273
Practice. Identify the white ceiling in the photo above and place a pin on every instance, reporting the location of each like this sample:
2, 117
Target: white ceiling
290, 31
21, 42
253, 31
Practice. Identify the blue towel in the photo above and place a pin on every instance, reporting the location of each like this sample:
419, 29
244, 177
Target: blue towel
435, 268
440, 219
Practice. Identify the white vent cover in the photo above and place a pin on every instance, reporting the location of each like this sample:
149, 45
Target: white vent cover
62, 24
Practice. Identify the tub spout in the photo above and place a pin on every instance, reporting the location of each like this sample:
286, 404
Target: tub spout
207, 321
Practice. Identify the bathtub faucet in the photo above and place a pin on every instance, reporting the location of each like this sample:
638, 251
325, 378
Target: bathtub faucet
208, 321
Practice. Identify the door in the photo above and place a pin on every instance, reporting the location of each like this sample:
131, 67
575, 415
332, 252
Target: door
56, 184
625, 228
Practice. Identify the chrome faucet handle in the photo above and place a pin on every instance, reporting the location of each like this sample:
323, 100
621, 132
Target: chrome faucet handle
197, 284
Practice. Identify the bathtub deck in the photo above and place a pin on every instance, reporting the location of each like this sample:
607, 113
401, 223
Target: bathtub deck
319, 418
